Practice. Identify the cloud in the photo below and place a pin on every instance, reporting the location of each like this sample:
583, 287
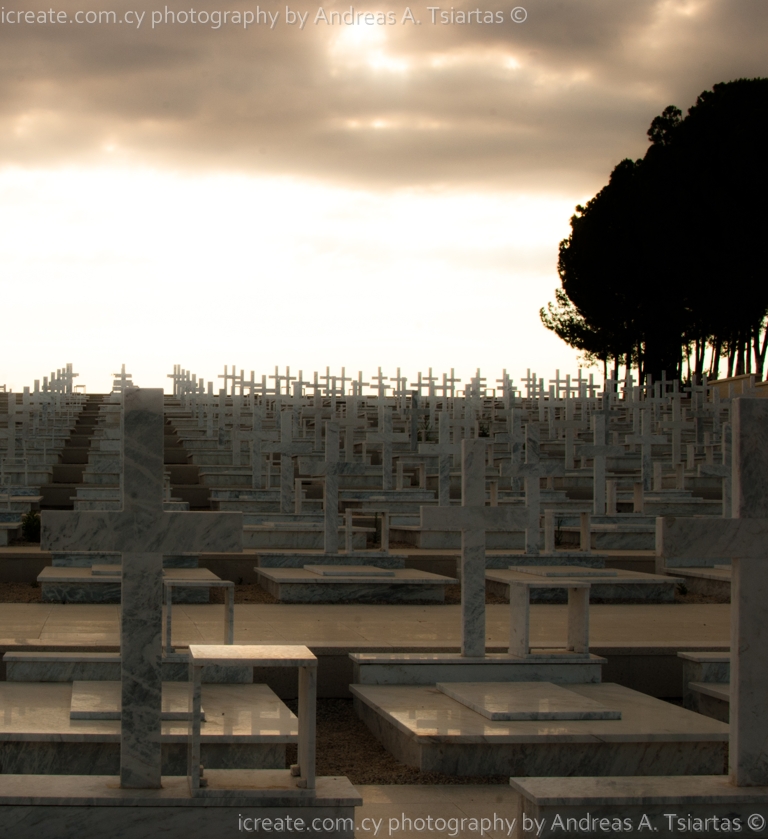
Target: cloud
550, 104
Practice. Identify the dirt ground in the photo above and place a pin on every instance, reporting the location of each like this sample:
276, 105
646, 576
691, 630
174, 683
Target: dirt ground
346, 747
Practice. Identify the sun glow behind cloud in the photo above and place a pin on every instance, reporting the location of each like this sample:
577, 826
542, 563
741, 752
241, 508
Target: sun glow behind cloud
105, 266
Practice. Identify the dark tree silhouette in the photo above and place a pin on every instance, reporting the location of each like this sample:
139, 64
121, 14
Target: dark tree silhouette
667, 259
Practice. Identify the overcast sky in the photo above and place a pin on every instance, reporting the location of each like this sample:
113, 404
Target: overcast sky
355, 195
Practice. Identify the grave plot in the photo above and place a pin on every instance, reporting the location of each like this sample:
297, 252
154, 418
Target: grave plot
344, 471
355, 575
531, 710
741, 539
235, 759
352, 584
424, 726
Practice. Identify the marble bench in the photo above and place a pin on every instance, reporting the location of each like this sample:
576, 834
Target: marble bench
609, 585
89, 666
299, 781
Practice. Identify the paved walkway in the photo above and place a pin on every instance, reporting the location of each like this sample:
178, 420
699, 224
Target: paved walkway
405, 812
364, 626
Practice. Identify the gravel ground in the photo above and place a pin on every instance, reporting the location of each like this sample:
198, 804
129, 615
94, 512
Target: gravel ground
346, 747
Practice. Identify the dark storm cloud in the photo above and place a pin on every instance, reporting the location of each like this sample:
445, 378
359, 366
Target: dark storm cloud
551, 103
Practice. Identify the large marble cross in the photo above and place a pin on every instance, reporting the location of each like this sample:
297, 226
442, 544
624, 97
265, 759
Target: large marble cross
473, 519
142, 532
742, 538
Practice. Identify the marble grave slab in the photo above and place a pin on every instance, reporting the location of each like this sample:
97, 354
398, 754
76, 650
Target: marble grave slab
564, 571
526, 701
101, 701
349, 571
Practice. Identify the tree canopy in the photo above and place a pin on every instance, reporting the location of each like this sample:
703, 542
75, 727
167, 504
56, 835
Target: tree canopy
666, 261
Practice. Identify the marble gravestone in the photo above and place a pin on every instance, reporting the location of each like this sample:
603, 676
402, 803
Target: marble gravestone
142, 532
331, 469
743, 795
742, 539
445, 452
473, 519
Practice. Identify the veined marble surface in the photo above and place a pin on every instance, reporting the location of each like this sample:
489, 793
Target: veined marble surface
349, 571
428, 714
236, 714
526, 701
101, 701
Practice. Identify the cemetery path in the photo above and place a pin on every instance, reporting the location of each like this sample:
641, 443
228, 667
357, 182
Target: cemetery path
354, 626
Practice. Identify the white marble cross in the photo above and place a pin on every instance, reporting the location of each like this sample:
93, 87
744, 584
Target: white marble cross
414, 413
676, 425
722, 470
331, 469
445, 452
177, 377
142, 532
227, 376
533, 470
258, 436
646, 440
317, 413
67, 378
742, 538
288, 448
122, 380
473, 519
599, 451
379, 380
349, 423
386, 437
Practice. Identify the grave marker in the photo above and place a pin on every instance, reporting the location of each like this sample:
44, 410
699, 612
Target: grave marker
743, 539
473, 519
142, 532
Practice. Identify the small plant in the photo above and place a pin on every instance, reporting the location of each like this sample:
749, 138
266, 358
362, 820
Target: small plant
558, 531
30, 526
